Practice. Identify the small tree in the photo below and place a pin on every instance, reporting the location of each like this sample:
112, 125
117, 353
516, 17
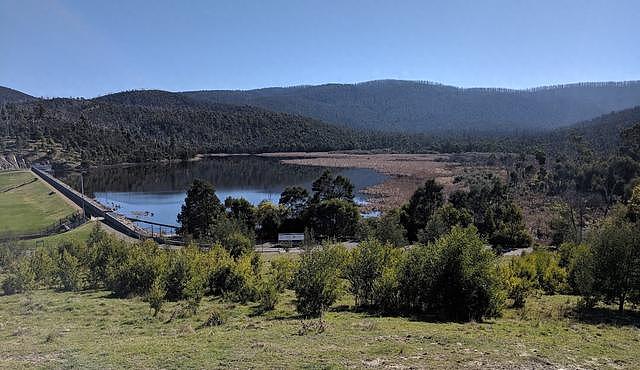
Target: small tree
156, 296
70, 272
365, 266
294, 199
242, 212
443, 220
201, 210
328, 187
269, 217
616, 258
334, 218
238, 244
388, 229
317, 281
421, 206
455, 277
21, 278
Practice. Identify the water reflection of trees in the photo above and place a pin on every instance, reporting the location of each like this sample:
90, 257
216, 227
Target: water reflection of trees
248, 172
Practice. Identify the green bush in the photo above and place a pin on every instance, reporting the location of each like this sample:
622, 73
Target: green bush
238, 244
517, 283
443, 219
194, 291
178, 273
365, 265
44, 265
386, 289
156, 296
581, 276
234, 280
615, 256
282, 270
21, 278
103, 251
454, 278
539, 270
70, 272
143, 264
317, 282
386, 228
268, 295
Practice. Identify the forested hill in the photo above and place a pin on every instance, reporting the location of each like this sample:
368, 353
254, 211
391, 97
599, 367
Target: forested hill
8, 95
150, 125
602, 134
411, 106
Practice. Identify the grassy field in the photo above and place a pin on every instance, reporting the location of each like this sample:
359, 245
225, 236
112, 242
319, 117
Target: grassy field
80, 233
91, 330
27, 205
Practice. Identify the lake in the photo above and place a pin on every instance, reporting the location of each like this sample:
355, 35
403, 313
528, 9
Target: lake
156, 191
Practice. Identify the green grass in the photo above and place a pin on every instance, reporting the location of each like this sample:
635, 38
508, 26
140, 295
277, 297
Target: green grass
80, 234
27, 205
91, 330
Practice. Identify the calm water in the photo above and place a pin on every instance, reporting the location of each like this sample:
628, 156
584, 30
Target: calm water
155, 192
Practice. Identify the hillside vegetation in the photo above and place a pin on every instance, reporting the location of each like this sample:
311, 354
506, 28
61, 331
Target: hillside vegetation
151, 125
415, 106
8, 95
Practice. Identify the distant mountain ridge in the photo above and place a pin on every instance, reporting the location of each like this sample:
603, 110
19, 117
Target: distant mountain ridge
418, 106
147, 125
602, 133
8, 95
405, 106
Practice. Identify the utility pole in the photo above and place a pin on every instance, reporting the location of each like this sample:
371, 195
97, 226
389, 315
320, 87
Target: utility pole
84, 212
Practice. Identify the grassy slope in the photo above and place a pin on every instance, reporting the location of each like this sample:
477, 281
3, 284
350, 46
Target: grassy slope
80, 233
28, 206
91, 330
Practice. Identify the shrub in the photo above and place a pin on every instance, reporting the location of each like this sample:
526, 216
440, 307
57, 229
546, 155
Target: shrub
454, 278
268, 295
216, 318
386, 228
615, 250
177, 273
581, 277
443, 219
282, 270
366, 263
43, 264
194, 291
386, 289
70, 272
155, 297
21, 278
144, 263
317, 281
103, 251
235, 280
517, 287
238, 244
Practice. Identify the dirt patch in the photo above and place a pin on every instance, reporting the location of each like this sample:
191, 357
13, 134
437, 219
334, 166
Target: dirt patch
406, 172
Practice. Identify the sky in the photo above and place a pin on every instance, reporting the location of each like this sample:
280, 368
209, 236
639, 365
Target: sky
88, 48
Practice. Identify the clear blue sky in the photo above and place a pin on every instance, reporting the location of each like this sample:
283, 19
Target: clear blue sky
87, 48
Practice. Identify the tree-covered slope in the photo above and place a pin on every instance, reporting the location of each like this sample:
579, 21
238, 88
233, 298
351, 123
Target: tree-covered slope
602, 134
140, 126
137, 126
8, 95
412, 106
